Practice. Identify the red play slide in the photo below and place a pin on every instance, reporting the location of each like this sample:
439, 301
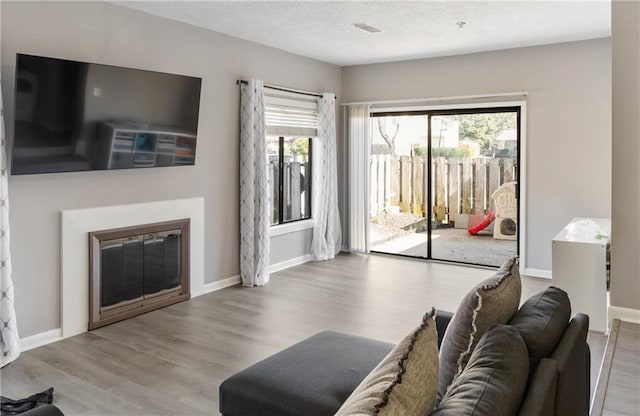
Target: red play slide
484, 224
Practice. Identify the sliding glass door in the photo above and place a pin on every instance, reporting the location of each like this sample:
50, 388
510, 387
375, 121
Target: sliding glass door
399, 178
474, 186
444, 184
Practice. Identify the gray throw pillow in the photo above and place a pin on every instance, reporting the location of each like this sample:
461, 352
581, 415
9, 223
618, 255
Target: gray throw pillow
494, 381
404, 383
491, 302
541, 321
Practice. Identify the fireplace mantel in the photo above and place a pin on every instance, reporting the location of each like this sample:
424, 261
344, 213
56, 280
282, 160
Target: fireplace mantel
75, 226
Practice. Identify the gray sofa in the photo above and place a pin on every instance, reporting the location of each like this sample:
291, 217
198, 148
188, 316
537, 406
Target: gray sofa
561, 383
314, 377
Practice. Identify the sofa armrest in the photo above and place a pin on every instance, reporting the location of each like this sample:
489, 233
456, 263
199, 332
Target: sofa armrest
442, 322
574, 368
540, 397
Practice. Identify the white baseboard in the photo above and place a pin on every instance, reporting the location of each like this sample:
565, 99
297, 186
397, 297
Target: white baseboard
624, 314
47, 337
38, 340
219, 284
54, 335
296, 261
544, 274
235, 280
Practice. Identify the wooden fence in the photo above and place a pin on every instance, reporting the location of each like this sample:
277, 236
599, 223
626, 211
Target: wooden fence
295, 206
459, 186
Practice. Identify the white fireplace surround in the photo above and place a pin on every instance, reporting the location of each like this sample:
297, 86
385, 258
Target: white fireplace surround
77, 223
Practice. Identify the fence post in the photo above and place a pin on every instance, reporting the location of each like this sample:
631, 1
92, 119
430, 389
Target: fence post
405, 184
440, 183
433, 215
273, 185
381, 183
373, 187
486, 197
467, 188
447, 191
387, 182
474, 186
294, 191
455, 187
394, 175
416, 164
461, 187
426, 167
494, 177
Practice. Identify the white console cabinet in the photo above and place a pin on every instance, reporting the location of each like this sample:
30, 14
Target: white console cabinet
132, 146
580, 267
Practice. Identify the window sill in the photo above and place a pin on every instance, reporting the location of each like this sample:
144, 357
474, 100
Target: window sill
293, 227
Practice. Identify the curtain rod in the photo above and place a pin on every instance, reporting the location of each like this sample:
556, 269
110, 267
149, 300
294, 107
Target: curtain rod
275, 87
459, 97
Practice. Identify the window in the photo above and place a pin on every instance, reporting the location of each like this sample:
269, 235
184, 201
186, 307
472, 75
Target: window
291, 121
289, 178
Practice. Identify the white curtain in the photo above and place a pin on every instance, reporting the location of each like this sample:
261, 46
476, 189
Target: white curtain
254, 191
359, 151
10, 341
327, 234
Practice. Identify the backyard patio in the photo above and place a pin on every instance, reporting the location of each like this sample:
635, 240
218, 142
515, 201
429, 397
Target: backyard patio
395, 234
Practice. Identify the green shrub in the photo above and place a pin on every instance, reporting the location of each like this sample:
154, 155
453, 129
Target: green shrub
442, 152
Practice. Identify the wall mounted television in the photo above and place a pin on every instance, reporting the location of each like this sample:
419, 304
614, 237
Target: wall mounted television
78, 116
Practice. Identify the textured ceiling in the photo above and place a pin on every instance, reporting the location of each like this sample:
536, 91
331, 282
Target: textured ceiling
324, 30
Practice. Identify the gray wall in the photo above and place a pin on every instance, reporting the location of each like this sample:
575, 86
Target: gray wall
569, 133
568, 121
625, 197
107, 33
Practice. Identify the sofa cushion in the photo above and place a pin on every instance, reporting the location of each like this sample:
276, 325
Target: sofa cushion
541, 321
404, 383
313, 377
491, 302
494, 381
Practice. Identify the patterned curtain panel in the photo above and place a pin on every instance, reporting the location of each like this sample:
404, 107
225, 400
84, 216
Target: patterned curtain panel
327, 234
9, 340
254, 191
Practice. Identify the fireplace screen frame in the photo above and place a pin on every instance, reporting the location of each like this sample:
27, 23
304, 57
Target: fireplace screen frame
100, 316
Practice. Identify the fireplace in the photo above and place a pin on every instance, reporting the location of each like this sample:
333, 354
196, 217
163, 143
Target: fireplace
134, 270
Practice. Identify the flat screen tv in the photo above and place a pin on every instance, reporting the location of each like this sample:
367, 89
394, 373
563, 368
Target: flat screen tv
78, 116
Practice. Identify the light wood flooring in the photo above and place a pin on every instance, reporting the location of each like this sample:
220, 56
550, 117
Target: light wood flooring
171, 361
618, 389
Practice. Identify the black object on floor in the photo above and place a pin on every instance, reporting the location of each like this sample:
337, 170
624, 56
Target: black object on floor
15, 407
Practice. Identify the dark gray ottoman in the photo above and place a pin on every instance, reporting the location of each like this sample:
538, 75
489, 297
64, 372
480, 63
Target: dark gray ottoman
311, 378
43, 410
